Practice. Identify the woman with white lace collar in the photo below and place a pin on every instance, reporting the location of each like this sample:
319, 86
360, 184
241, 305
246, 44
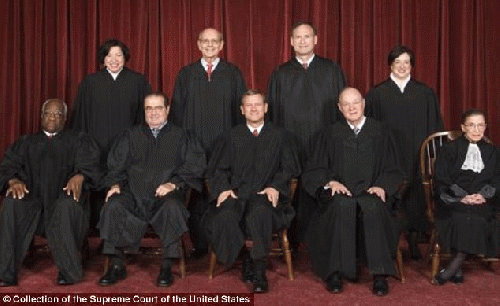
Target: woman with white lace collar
467, 181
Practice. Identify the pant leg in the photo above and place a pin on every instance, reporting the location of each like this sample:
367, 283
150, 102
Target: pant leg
224, 231
66, 231
259, 225
170, 223
380, 235
18, 222
118, 225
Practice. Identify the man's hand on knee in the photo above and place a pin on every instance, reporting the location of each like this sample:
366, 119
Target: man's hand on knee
74, 186
224, 196
17, 188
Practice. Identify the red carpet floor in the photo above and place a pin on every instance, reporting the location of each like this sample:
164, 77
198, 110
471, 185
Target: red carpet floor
481, 287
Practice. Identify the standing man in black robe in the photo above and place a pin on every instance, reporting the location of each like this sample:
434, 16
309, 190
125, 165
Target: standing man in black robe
109, 101
353, 175
150, 169
45, 176
206, 101
249, 176
411, 109
303, 94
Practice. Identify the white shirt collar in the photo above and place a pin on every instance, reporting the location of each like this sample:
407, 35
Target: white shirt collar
401, 83
360, 125
160, 127
214, 63
252, 128
50, 134
114, 75
308, 61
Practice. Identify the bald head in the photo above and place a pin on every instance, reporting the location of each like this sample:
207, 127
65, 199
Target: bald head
352, 105
210, 43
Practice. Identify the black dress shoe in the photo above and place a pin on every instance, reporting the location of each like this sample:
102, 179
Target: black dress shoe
61, 280
7, 284
247, 272
439, 280
380, 286
165, 279
115, 273
260, 284
334, 283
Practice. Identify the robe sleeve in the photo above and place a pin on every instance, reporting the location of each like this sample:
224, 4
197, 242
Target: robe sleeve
273, 93
118, 162
289, 168
239, 90
145, 89
178, 98
87, 160
373, 105
391, 176
317, 173
219, 167
80, 113
13, 164
190, 171
435, 121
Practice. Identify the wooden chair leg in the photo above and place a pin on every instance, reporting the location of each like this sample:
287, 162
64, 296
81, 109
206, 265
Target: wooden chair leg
213, 261
106, 264
399, 262
435, 261
287, 252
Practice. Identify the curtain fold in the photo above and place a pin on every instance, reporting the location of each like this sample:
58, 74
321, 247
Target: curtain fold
48, 46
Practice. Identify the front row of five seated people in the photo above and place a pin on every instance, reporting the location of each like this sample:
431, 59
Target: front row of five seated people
352, 173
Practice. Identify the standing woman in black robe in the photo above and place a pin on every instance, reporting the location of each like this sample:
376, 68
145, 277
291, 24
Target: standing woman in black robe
109, 101
467, 182
411, 109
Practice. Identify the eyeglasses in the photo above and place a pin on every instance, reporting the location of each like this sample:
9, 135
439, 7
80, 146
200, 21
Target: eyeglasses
471, 126
210, 41
50, 114
149, 109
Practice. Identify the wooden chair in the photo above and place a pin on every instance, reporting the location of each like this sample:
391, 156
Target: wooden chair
428, 154
185, 241
282, 250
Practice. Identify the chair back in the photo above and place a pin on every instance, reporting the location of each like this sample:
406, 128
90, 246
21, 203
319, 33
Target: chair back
428, 154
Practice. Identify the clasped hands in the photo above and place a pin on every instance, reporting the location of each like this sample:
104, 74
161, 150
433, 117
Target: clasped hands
337, 187
473, 199
161, 191
272, 196
18, 188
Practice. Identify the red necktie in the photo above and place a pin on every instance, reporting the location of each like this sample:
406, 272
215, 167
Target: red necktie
209, 71
305, 65
255, 133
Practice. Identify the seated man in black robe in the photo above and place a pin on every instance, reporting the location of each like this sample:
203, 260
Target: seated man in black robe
249, 175
352, 173
150, 168
45, 175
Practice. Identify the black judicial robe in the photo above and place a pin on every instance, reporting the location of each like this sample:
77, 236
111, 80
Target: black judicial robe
208, 108
413, 115
468, 228
45, 166
139, 163
305, 101
248, 164
105, 108
358, 163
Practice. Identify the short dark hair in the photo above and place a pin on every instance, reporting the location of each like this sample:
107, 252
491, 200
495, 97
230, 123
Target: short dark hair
472, 112
396, 52
166, 100
300, 23
103, 50
253, 92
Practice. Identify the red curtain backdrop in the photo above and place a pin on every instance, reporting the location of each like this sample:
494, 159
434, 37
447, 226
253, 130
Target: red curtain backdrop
48, 46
